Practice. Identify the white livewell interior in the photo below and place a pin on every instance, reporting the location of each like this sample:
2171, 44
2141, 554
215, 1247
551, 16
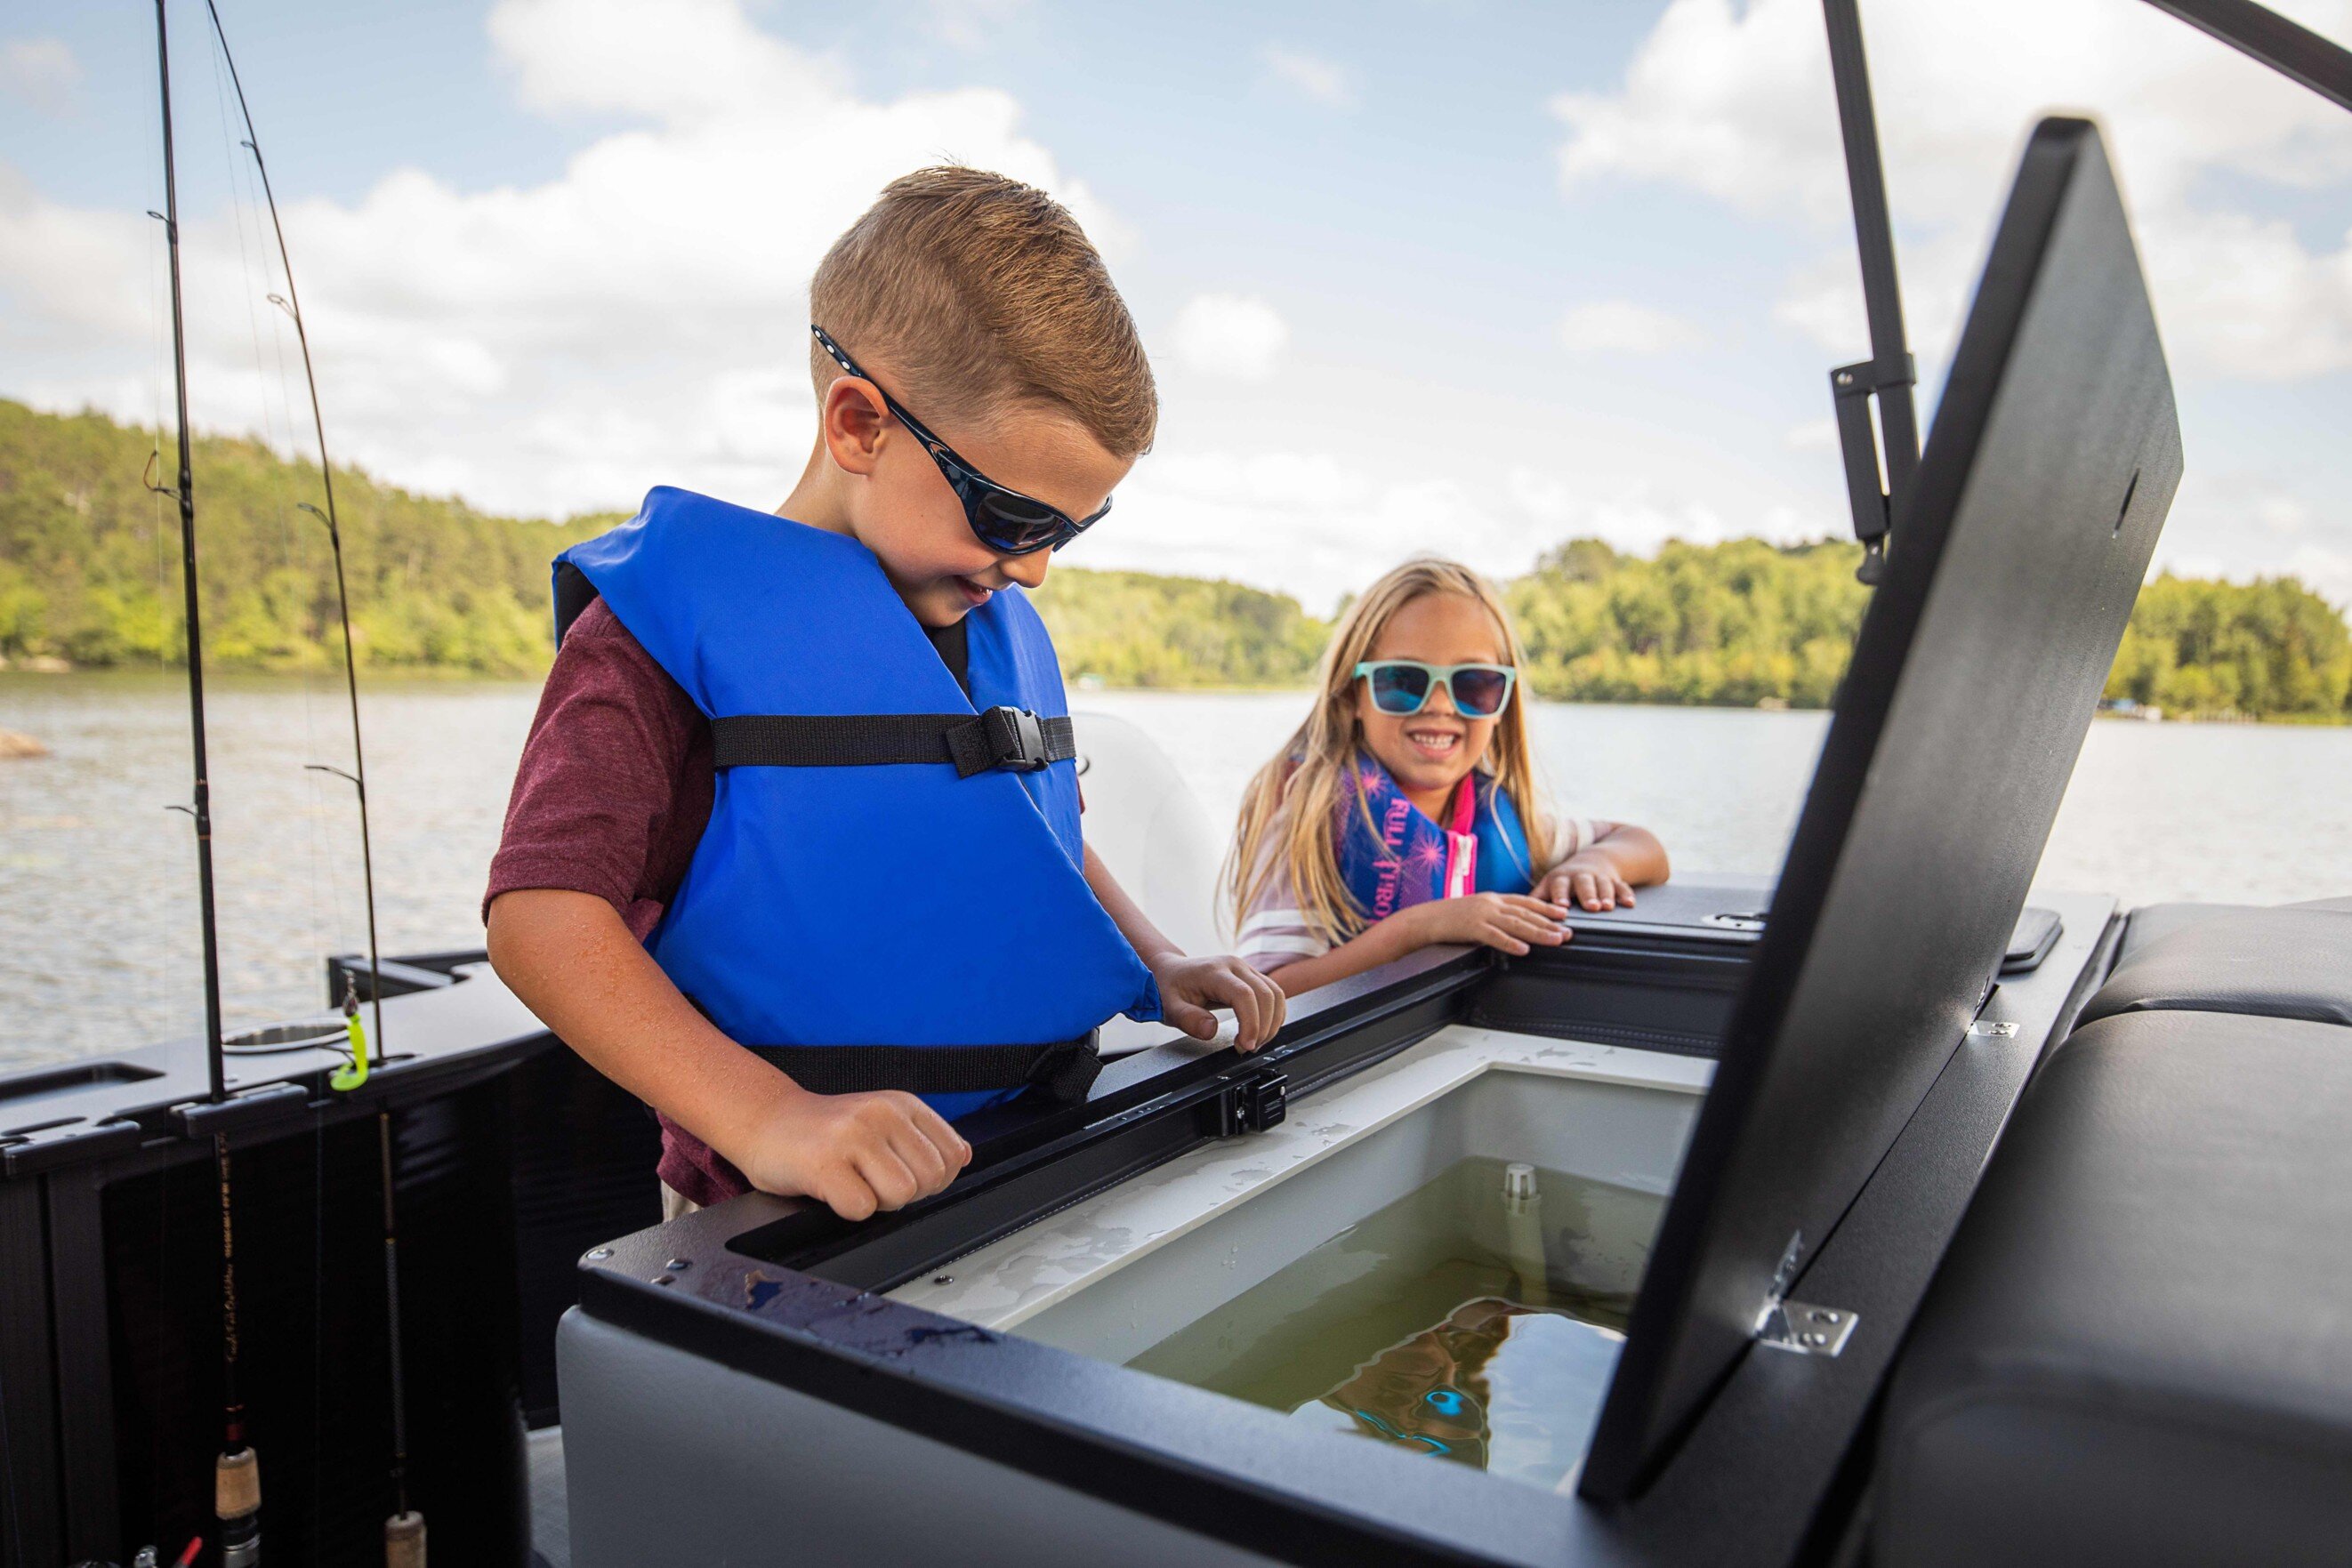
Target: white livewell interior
1112, 1276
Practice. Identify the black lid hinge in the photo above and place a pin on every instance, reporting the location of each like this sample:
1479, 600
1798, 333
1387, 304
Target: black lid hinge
1253, 1104
1852, 386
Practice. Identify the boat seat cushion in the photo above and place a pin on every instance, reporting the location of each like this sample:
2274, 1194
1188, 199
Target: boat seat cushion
2139, 1347
2291, 963
2155, 922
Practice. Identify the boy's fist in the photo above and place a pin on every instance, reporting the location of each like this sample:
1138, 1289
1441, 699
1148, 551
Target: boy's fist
857, 1153
1188, 987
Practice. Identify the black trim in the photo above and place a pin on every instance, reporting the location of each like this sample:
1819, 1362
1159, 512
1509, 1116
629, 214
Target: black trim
999, 737
1651, 990
2094, 975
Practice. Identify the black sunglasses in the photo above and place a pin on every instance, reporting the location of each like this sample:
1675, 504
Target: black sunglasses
1005, 521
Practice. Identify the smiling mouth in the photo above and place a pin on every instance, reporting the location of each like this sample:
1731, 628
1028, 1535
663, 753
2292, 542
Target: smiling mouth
973, 593
1436, 745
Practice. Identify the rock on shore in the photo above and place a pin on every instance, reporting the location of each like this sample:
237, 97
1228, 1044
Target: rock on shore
13, 745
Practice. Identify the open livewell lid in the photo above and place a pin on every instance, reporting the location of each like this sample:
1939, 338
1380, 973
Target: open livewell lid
2051, 463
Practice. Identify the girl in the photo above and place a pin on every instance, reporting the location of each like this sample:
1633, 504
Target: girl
1404, 812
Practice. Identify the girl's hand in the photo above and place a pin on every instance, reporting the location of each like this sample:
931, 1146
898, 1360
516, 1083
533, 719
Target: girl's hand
1588, 880
1511, 922
1188, 987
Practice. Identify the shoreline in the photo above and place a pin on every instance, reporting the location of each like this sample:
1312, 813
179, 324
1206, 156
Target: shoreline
444, 677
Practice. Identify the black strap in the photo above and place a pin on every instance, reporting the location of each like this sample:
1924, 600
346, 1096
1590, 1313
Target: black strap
1064, 1069
1007, 737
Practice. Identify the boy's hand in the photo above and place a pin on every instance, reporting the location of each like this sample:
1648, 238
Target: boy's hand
856, 1153
1589, 880
1511, 922
1188, 987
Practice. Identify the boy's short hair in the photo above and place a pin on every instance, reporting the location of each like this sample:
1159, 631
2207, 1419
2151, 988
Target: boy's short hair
979, 292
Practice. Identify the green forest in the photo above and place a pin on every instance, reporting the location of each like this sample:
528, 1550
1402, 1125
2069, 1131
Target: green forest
90, 564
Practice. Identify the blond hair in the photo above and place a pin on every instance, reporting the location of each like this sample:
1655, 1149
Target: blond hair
978, 294
1291, 810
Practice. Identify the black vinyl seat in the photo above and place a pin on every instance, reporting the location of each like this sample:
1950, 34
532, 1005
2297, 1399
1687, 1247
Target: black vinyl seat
2139, 1348
2294, 962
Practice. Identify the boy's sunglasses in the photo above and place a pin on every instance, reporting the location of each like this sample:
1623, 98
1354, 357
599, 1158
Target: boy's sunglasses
1401, 686
1005, 521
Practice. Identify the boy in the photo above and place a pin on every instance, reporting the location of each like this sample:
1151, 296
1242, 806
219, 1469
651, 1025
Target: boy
800, 783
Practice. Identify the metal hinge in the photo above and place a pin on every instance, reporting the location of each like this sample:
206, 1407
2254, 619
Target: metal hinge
1252, 1105
1806, 1329
1851, 388
1800, 1326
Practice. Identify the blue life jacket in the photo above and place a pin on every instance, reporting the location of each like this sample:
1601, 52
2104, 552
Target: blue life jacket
900, 907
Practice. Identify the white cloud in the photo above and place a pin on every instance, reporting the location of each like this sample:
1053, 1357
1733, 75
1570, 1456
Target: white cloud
42, 71
1735, 102
2326, 570
1812, 435
972, 24
1237, 336
1311, 76
1317, 525
638, 319
1623, 326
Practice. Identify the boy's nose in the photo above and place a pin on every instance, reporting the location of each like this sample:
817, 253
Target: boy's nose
1028, 571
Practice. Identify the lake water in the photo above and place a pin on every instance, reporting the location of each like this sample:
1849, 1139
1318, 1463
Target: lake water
1475, 1321
98, 938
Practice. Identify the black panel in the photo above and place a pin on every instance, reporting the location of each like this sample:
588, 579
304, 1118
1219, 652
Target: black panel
84, 1367
2053, 459
313, 1369
28, 1434
584, 1151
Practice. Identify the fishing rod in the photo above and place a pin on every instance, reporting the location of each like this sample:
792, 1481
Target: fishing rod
292, 305
237, 1473
403, 1531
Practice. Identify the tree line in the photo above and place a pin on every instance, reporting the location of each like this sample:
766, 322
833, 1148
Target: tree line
89, 565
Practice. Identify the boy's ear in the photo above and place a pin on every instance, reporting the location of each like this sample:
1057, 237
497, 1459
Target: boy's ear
853, 424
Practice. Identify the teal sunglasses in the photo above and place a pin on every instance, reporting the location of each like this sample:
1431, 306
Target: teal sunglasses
1401, 686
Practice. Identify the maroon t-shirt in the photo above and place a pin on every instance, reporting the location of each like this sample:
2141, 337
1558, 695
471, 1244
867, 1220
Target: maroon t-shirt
611, 797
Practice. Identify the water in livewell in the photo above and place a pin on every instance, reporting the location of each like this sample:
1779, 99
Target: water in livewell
1467, 1321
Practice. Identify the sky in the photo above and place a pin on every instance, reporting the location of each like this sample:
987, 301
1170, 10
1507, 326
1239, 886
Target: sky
1457, 277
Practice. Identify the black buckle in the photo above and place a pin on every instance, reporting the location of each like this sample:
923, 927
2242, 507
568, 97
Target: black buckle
1016, 741
1008, 738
